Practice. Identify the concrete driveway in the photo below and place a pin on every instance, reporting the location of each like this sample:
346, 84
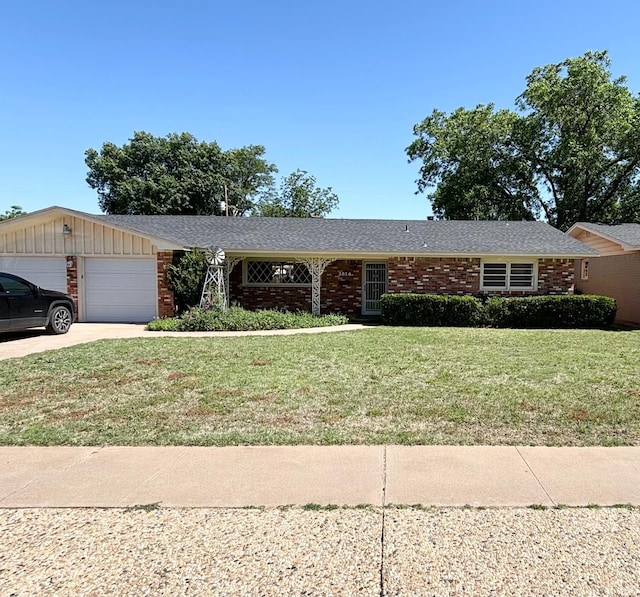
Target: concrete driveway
19, 344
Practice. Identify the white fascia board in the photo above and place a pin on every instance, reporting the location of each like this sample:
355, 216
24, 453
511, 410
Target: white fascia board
386, 255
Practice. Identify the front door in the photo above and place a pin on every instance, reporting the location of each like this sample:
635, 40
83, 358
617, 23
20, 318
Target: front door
375, 285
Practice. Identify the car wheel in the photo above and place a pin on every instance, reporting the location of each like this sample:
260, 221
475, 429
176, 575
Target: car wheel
60, 320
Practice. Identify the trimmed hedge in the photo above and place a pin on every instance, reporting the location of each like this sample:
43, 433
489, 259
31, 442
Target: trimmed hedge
431, 310
237, 319
553, 311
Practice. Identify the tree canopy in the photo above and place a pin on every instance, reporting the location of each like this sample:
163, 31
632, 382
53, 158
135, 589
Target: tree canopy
15, 210
569, 152
297, 197
176, 174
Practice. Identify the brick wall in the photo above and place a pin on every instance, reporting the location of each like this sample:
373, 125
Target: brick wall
437, 275
342, 283
449, 275
72, 278
166, 305
555, 276
342, 288
341, 291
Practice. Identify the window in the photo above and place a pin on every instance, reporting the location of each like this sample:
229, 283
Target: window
494, 275
584, 269
276, 273
10, 284
508, 276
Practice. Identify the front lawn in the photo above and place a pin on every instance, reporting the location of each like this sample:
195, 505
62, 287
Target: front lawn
374, 386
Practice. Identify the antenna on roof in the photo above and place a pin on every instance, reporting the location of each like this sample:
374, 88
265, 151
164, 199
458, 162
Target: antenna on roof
228, 209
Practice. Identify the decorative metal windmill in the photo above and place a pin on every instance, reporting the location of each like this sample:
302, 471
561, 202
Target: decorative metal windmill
213, 291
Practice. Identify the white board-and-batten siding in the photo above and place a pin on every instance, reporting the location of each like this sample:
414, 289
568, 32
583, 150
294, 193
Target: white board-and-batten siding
86, 238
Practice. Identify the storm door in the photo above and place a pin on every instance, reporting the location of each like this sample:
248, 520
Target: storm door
375, 285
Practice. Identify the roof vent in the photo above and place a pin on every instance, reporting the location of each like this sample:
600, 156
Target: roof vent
430, 218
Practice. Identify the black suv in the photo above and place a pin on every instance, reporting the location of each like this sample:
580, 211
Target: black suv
23, 305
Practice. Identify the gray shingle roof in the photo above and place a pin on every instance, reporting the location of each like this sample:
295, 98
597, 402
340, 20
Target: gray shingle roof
624, 233
343, 236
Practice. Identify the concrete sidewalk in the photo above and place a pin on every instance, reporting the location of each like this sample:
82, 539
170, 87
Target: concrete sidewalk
341, 475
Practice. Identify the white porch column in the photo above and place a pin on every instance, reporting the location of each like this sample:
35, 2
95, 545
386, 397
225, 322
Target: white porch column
229, 264
316, 267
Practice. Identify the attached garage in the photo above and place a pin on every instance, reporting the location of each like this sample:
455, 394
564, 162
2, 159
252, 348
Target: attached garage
46, 272
120, 290
109, 267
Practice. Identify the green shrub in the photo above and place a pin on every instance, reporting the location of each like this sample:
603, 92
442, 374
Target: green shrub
431, 310
238, 319
186, 277
561, 311
166, 324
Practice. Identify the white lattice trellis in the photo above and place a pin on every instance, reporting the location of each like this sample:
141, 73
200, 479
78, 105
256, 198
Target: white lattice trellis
316, 267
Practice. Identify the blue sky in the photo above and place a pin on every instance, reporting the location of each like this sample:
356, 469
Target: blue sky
332, 87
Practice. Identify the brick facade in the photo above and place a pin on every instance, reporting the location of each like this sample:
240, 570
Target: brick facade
341, 291
166, 304
450, 275
342, 283
439, 275
342, 288
72, 278
556, 276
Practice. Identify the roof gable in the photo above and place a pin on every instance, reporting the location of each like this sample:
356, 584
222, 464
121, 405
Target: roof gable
71, 215
625, 235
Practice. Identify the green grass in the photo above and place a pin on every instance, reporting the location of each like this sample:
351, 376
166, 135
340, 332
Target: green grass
374, 386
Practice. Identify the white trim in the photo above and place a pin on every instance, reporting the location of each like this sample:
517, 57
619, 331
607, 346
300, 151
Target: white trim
584, 269
82, 305
383, 255
507, 286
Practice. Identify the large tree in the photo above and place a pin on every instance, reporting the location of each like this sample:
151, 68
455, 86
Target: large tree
176, 174
569, 152
297, 197
15, 211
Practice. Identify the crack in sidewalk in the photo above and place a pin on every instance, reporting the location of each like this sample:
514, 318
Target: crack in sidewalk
535, 476
384, 509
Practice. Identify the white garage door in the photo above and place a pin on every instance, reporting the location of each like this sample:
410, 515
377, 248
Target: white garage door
46, 272
122, 290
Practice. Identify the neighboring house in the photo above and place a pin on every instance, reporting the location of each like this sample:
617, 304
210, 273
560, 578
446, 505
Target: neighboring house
113, 265
616, 272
